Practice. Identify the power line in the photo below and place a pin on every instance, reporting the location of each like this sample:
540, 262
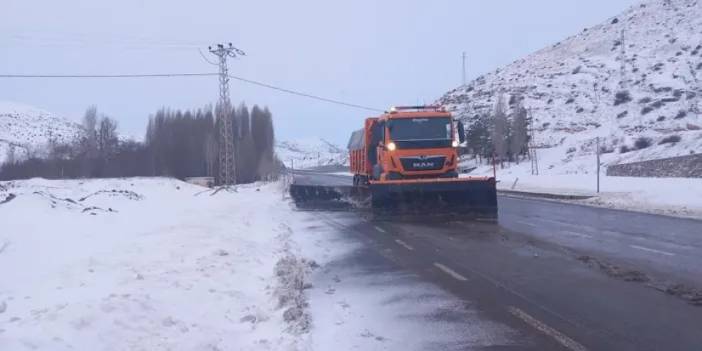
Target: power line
156, 75
171, 75
293, 92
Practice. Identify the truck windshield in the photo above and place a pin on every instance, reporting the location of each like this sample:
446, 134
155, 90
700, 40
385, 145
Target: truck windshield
408, 129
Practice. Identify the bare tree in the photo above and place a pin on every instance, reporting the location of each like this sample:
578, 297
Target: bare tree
107, 138
90, 120
518, 136
11, 156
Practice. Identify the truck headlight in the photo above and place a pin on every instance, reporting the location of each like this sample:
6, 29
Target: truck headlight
454, 143
392, 146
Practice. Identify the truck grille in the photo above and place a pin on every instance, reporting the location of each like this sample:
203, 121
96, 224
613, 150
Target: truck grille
423, 163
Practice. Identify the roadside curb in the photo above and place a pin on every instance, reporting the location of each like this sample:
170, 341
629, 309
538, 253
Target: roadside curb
544, 195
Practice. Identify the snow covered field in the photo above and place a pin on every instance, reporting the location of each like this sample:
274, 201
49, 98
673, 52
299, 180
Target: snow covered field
146, 264
158, 264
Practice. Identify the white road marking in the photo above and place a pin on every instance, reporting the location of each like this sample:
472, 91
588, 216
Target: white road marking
578, 234
562, 339
450, 272
526, 223
552, 221
404, 244
652, 250
379, 229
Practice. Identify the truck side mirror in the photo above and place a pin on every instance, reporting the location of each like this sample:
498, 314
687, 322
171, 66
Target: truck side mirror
461, 133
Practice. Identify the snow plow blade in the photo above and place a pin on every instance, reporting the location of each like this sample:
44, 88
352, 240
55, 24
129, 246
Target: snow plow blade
457, 198
321, 197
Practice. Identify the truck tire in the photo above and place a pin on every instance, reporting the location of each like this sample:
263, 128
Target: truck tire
452, 174
377, 171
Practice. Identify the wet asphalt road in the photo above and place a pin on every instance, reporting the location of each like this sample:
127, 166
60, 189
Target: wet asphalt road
565, 276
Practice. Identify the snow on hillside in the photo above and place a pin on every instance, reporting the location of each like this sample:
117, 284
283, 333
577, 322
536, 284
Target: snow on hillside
309, 153
636, 75
29, 129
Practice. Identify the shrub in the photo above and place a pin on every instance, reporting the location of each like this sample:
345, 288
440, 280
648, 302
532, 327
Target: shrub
622, 114
642, 143
658, 104
606, 150
646, 110
621, 97
681, 114
624, 149
660, 118
570, 101
670, 139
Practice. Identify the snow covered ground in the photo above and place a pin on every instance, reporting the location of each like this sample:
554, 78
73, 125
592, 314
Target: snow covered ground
146, 264
670, 196
158, 264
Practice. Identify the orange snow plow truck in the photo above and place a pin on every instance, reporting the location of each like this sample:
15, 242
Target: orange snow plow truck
407, 160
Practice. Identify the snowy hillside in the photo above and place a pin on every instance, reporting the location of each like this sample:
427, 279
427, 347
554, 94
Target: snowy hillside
637, 75
29, 129
308, 153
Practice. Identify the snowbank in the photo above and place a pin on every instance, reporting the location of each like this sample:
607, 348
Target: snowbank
153, 264
670, 196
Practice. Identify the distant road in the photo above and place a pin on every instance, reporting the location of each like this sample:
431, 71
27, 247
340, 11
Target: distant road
568, 276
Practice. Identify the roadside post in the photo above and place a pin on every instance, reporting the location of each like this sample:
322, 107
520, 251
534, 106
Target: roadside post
598, 165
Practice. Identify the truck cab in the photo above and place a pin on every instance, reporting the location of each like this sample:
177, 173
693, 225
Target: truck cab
414, 142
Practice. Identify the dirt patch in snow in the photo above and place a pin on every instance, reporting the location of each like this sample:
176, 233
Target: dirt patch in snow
113, 193
683, 291
8, 198
615, 271
56, 201
292, 273
690, 294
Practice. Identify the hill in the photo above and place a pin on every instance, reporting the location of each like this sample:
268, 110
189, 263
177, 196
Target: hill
30, 129
633, 81
309, 153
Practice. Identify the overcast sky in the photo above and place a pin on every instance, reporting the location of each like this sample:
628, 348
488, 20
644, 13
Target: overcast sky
368, 52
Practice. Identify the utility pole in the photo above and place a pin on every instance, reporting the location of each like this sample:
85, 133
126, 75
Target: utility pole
598, 165
227, 164
532, 146
464, 68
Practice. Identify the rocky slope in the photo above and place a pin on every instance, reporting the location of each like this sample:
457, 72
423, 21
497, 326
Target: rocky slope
637, 75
